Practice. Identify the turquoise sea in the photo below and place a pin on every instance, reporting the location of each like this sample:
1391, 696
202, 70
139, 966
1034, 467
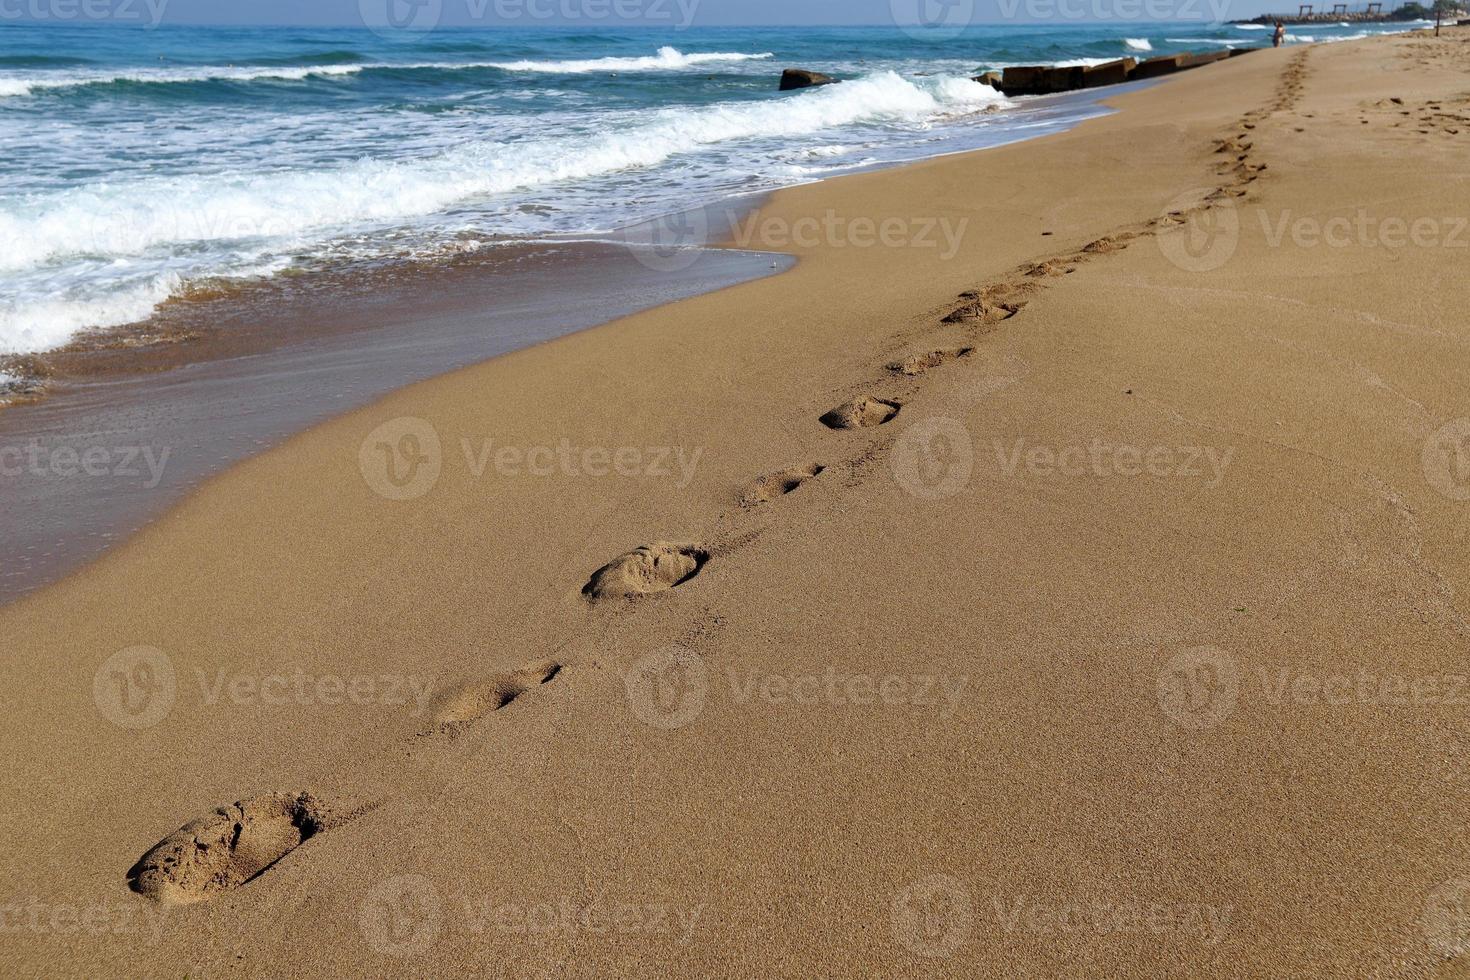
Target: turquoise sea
142, 163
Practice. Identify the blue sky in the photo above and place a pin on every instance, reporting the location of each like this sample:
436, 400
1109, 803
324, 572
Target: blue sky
635, 13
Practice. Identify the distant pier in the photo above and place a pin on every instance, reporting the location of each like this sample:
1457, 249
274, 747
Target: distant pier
1339, 13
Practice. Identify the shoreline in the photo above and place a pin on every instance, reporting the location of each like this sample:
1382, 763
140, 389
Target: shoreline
952, 635
87, 468
122, 386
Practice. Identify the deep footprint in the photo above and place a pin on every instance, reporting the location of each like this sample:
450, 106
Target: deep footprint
860, 413
774, 485
228, 848
921, 363
650, 568
1107, 245
1048, 270
984, 311
992, 304
476, 700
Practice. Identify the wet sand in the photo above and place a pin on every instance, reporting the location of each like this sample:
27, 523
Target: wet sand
134, 421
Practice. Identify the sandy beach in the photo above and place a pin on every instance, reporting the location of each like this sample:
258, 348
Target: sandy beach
1058, 571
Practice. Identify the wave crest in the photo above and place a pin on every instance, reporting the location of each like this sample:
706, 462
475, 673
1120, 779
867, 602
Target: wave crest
667, 59
108, 225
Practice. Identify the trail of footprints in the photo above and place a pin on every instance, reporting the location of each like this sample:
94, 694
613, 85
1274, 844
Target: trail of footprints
1426, 51
1435, 117
1241, 166
235, 844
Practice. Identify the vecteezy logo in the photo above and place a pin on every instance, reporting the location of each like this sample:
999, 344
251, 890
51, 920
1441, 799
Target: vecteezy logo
1447, 460
932, 20
396, 18
135, 688
1197, 238
1446, 919
401, 459
933, 917
669, 243
133, 229
1198, 688
667, 689
401, 916
933, 459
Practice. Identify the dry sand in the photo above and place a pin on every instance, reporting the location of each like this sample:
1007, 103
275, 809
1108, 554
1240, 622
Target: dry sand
1132, 644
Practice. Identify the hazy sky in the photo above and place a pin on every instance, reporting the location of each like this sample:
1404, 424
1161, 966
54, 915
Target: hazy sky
627, 13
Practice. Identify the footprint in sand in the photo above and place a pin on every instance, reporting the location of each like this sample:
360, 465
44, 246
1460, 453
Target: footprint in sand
1048, 270
922, 363
778, 484
861, 413
1107, 245
650, 568
479, 698
984, 310
229, 847
994, 303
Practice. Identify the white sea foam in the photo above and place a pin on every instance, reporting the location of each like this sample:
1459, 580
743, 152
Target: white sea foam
128, 219
1069, 63
46, 322
15, 85
958, 95
1137, 44
256, 214
1250, 27
667, 59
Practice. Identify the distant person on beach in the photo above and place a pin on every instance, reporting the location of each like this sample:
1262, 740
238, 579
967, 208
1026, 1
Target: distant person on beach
1279, 36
